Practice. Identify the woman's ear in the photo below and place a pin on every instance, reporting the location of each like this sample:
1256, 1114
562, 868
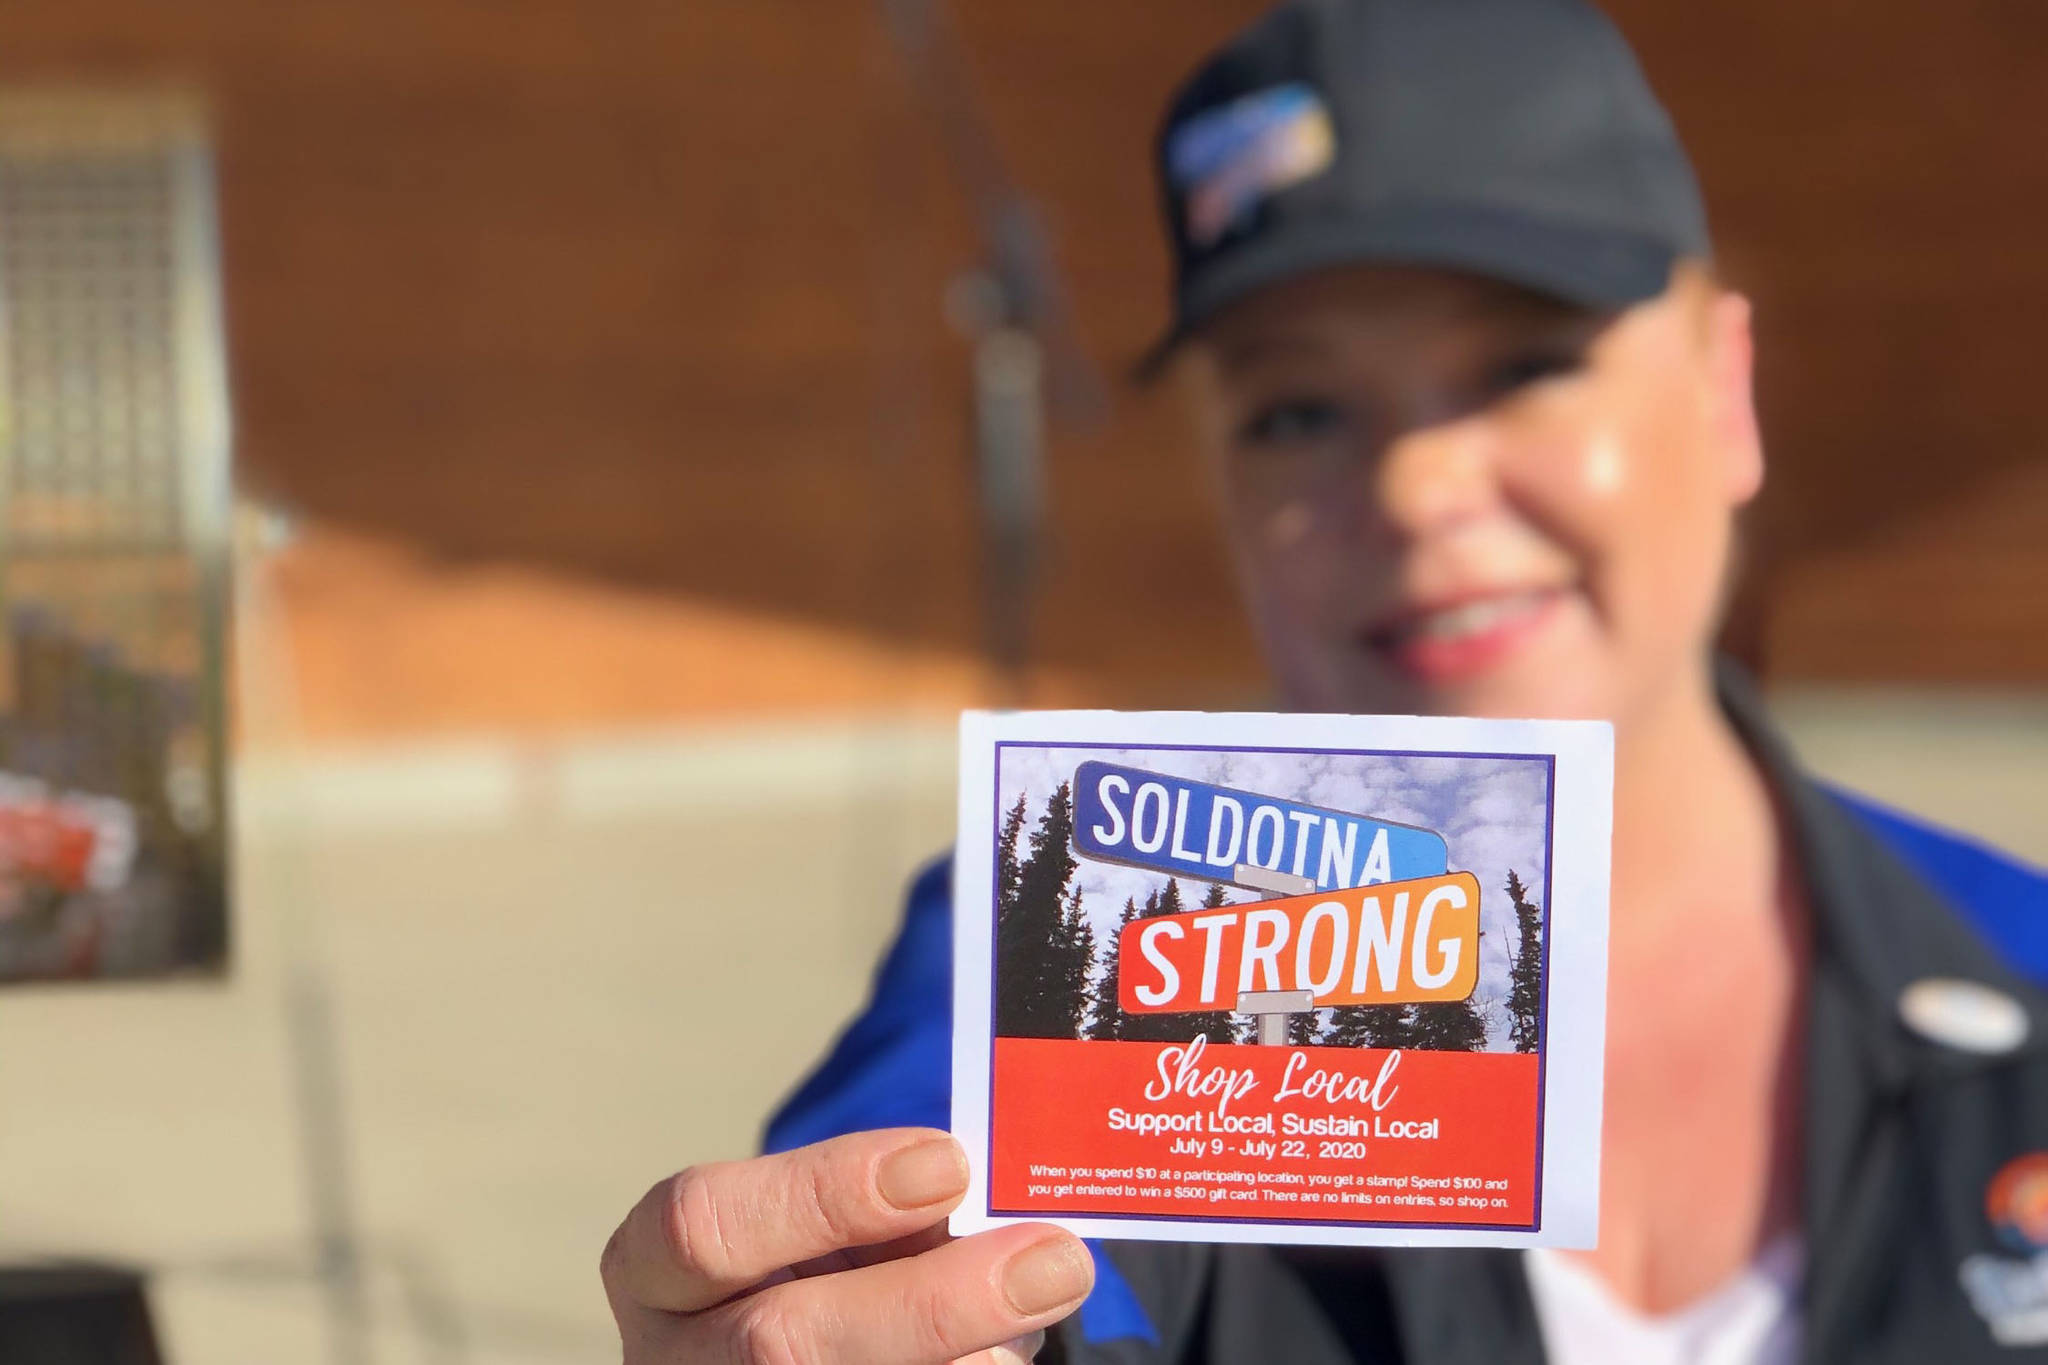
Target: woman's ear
1731, 356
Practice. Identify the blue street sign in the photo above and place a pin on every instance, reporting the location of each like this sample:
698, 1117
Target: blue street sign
1193, 829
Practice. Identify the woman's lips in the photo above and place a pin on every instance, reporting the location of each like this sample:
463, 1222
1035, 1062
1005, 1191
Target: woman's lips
1460, 640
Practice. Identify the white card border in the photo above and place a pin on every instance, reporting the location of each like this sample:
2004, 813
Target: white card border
1575, 1019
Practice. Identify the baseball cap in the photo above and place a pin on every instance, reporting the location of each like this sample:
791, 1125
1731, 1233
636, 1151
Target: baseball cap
1515, 139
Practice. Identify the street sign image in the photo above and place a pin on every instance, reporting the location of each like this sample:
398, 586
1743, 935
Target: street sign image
1194, 829
1391, 943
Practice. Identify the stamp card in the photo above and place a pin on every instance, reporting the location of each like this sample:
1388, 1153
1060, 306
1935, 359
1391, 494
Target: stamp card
1282, 978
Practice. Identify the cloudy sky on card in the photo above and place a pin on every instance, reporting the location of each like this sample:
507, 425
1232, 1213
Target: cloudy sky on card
1490, 811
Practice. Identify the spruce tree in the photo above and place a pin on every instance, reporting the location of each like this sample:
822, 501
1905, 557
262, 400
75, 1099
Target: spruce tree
1400, 1026
1106, 1018
1449, 1026
1007, 865
1074, 954
1525, 976
1306, 1028
1387, 1026
1032, 959
1349, 1027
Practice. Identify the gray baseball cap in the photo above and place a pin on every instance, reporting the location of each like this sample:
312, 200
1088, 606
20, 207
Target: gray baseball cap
1515, 139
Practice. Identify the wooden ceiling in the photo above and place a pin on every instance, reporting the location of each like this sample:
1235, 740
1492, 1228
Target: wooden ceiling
651, 294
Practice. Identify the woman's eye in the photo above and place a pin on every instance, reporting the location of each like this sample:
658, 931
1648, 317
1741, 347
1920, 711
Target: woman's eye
1529, 367
1295, 419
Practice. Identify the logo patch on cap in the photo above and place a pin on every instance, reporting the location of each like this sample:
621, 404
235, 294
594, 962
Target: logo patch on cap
1965, 1015
1224, 162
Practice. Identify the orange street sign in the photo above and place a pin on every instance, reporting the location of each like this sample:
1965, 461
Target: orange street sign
1386, 944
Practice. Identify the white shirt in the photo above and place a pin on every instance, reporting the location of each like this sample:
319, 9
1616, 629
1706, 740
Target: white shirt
1753, 1319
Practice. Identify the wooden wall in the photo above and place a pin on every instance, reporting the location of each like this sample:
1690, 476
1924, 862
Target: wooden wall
649, 294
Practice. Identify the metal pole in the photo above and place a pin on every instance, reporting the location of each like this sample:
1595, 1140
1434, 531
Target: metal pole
1009, 451
1271, 1010
1028, 364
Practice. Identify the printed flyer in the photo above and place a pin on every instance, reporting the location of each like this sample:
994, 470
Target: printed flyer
1282, 978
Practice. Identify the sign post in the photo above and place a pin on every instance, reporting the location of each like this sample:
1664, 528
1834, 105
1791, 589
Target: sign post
1278, 883
1272, 1010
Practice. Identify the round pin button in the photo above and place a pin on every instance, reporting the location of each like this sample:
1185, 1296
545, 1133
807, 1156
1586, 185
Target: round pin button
1965, 1015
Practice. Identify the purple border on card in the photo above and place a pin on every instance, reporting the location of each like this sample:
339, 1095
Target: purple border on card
1543, 989
1549, 762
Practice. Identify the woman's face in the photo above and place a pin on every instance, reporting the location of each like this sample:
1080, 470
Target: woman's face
1448, 495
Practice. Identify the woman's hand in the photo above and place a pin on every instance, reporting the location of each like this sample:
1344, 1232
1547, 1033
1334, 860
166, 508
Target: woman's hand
834, 1252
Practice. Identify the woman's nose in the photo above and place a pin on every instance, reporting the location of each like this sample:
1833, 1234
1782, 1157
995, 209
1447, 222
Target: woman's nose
1433, 477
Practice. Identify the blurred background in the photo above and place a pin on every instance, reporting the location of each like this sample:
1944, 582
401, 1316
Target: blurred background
650, 424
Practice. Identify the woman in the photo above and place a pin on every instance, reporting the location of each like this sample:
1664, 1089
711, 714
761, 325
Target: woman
1480, 421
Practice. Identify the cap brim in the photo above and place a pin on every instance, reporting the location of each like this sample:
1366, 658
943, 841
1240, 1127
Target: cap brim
1593, 267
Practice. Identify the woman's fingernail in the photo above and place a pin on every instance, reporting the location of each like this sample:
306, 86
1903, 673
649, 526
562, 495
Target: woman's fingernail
1018, 1350
920, 1176
1046, 1275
